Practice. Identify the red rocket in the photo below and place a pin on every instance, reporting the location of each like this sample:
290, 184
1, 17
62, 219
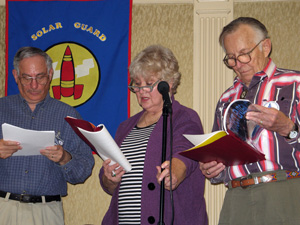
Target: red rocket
67, 85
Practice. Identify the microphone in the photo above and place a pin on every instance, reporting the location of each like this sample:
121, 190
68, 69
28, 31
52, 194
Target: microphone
163, 88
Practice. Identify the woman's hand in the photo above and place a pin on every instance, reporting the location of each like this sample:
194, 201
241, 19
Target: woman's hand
112, 175
178, 173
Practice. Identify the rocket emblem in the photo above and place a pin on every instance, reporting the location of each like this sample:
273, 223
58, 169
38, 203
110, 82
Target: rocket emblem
68, 86
76, 73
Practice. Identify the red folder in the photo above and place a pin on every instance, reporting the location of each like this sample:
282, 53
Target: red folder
229, 149
83, 124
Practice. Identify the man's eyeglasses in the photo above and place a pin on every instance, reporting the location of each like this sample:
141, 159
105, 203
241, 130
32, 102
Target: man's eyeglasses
230, 61
136, 89
40, 79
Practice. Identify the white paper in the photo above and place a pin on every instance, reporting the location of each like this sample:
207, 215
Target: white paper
197, 139
106, 146
32, 141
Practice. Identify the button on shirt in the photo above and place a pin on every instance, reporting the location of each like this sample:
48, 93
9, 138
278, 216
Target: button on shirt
37, 175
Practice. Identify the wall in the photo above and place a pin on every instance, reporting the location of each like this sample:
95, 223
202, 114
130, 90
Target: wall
282, 21
172, 25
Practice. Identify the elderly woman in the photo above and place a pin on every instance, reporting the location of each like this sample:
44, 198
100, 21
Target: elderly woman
136, 194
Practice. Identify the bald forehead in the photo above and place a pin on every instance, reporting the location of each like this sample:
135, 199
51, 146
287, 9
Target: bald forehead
243, 32
34, 64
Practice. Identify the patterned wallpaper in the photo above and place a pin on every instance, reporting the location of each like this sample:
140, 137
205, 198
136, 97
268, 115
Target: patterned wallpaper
172, 26
283, 24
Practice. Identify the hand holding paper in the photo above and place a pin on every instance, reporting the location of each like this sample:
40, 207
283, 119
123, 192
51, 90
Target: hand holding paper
32, 141
8, 148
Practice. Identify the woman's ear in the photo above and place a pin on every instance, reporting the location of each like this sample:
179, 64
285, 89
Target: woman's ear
171, 85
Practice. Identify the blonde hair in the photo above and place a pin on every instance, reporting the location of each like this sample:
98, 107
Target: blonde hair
157, 61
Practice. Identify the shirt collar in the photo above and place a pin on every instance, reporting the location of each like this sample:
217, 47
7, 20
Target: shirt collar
268, 71
47, 99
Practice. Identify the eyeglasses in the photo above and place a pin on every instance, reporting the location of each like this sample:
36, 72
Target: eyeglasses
230, 61
136, 89
40, 79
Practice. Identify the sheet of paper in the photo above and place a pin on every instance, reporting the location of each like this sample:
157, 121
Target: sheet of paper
106, 147
204, 139
197, 139
32, 141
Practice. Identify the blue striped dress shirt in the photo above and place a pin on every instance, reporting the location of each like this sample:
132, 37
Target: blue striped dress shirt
37, 175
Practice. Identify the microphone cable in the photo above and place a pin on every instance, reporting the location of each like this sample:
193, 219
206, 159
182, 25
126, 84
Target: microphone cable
164, 89
171, 156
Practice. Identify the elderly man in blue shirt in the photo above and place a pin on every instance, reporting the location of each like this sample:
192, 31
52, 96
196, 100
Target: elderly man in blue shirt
31, 186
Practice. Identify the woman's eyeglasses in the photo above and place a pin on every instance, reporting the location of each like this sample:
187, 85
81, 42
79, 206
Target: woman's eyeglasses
148, 88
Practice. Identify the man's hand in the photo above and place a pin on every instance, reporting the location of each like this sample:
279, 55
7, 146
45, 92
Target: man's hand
57, 154
7, 148
211, 169
271, 119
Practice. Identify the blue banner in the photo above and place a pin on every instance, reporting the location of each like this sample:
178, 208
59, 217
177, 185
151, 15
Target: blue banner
89, 43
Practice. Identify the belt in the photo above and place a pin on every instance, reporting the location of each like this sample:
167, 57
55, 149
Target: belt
249, 180
30, 198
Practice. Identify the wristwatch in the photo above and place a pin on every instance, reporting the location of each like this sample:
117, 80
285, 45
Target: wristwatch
293, 133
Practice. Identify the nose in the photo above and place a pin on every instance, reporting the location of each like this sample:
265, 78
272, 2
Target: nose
34, 84
142, 90
238, 64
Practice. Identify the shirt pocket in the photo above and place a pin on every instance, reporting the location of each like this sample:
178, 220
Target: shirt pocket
286, 99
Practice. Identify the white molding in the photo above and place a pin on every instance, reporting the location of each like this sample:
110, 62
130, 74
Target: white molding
213, 11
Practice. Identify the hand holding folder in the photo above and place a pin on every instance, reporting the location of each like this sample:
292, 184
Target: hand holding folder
237, 145
100, 140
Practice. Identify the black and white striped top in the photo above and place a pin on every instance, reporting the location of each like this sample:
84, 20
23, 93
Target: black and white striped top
134, 148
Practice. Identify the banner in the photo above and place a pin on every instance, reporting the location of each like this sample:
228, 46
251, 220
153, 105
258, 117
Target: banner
89, 43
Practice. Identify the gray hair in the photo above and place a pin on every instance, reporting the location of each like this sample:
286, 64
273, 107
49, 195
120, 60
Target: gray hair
261, 30
158, 61
27, 52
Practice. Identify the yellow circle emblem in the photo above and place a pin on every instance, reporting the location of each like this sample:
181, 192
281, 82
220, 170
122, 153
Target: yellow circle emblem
76, 73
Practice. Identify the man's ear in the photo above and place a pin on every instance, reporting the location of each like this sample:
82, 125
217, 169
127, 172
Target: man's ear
51, 73
15, 74
267, 47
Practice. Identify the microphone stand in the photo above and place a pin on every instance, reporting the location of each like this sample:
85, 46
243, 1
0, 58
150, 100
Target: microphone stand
167, 109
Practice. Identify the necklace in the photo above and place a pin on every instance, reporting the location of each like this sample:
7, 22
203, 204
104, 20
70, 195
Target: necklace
146, 121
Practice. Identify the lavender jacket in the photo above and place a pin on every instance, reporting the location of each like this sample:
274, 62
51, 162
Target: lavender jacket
189, 203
